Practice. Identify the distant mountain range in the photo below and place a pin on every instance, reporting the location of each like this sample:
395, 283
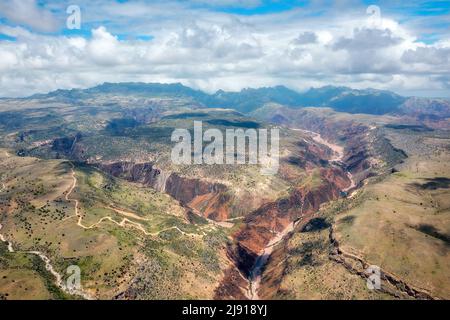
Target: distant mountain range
344, 99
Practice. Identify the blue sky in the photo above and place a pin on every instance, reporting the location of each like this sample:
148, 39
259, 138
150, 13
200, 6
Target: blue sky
227, 44
432, 15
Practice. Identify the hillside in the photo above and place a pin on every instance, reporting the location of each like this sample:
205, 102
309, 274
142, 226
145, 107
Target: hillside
87, 179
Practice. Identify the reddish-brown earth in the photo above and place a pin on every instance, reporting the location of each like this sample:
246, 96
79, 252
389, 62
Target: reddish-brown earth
348, 132
208, 198
262, 225
270, 220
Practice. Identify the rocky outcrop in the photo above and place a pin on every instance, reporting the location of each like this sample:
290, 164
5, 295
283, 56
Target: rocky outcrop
261, 226
143, 173
233, 286
356, 137
69, 147
274, 217
206, 198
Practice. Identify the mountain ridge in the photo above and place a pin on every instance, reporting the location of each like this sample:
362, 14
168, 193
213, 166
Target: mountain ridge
339, 98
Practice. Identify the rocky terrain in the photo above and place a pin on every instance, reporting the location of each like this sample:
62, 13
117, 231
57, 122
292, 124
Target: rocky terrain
86, 174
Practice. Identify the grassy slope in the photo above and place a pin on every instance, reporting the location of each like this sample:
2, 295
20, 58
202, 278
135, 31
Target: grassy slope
36, 216
300, 268
385, 227
23, 276
393, 222
310, 274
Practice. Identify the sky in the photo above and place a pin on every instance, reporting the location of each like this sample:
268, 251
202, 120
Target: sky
402, 46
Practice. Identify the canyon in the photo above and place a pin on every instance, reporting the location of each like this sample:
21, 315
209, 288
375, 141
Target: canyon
91, 183
270, 224
265, 227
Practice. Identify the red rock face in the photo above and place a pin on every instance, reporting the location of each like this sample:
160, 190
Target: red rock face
213, 205
274, 217
205, 198
271, 218
263, 224
260, 226
357, 149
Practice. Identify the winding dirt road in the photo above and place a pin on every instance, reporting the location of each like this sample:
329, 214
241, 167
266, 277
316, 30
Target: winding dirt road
126, 222
123, 223
48, 266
